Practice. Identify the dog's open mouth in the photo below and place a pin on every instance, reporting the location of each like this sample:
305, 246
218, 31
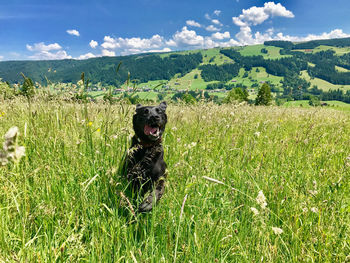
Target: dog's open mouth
151, 131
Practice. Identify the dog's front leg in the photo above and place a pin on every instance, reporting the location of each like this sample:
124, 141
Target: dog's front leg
157, 193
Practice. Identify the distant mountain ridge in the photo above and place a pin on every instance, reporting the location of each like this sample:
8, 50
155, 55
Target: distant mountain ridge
295, 57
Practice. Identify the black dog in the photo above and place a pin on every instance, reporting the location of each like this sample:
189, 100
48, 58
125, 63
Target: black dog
146, 168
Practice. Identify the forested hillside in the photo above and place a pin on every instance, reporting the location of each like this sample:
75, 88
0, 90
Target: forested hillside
141, 67
292, 63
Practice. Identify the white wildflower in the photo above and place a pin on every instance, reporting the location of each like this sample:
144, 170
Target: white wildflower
174, 128
277, 230
11, 133
18, 153
305, 209
257, 134
255, 211
313, 192
261, 200
10, 151
191, 145
314, 210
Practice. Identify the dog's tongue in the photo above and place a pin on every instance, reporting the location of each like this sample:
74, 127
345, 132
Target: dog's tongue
148, 130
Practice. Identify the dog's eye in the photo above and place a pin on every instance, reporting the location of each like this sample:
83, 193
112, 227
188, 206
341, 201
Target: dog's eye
146, 111
157, 110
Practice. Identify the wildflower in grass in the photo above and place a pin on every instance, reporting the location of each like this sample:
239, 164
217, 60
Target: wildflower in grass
314, 210
255, 211
98, 130
11, 151
261, 200
277, 230
90, 123
257, 134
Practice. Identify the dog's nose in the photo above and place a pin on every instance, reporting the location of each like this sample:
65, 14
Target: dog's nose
155, 117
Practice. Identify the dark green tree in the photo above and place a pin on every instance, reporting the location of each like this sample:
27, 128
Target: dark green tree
27, 89
236, 95
264, 95
314, 101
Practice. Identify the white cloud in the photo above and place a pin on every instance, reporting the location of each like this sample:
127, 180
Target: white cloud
73, 32
108, 53
187, 37
336, 33
44, 52
212, 28
257, 15
207, 16
246, 37
86, 56
217, 12
46, 55
166, 49
220, 36
193, 23
135, 43
1, 57
216, 22
42, 47
93, 44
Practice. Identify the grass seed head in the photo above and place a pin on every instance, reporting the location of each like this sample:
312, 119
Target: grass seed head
277, 230
261, 200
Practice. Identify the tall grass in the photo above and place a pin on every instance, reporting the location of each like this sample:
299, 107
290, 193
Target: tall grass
64, 201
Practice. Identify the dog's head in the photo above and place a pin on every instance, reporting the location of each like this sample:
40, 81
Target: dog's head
149, 122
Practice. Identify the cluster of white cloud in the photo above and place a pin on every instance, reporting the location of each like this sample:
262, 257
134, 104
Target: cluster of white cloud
73, 32
256, 16
336, 33
93, 44
47, 52
193, 23
188, 38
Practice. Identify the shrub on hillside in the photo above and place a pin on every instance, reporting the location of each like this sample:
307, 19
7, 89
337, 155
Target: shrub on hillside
264, 95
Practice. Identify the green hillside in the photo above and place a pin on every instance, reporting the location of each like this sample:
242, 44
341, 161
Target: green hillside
293, 70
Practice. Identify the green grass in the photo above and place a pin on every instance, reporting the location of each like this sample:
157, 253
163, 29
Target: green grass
207, 55
338, 50
339, 105
62, 202
341, 69
322, 84
255, 50
256, 77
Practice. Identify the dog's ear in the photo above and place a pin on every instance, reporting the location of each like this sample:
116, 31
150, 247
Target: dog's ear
163, 105
138, 106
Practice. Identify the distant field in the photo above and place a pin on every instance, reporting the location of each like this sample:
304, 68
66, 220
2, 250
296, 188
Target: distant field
341, 69
256, 77
273, 52
338, 50
331, 104
322, 84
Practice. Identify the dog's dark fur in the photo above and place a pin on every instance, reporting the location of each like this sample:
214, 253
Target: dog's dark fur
146, 168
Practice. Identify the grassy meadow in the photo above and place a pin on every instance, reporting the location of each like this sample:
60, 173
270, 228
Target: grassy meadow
245, 184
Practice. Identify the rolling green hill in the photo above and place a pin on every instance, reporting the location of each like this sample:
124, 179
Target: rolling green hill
291, 69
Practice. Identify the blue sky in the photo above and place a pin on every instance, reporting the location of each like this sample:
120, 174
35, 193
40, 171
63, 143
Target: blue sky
52, 29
